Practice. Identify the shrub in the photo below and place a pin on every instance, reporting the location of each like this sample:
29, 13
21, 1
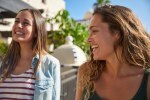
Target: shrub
3, 48
68, 26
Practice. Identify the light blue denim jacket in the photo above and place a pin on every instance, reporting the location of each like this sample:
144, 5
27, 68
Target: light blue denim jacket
47, 84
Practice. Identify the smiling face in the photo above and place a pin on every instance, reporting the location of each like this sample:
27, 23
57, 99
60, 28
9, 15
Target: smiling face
100, 39
23, 28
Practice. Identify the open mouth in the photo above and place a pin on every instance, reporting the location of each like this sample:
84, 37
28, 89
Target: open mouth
94, 47
19, 33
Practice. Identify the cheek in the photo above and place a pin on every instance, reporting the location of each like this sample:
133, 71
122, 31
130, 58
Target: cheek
109, 40
13, 29
106, 45
28, 31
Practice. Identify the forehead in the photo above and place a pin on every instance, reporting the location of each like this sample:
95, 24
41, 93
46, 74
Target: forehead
24, 15
96, 18
96, 21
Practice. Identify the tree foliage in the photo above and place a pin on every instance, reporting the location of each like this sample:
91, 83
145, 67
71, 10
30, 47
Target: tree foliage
100, 3
68, 26
3, 48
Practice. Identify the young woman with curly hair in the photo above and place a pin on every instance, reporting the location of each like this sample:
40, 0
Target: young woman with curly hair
120, 57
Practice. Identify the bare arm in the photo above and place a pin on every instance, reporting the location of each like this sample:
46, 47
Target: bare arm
79, 89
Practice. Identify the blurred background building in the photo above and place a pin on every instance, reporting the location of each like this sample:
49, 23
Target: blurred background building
9, 9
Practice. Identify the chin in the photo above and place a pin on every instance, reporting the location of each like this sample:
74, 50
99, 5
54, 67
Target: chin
17, 40
14, 39
96, 58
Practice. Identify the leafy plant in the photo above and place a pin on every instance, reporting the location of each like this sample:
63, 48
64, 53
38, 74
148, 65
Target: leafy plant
68, 26
100, 3
3, 48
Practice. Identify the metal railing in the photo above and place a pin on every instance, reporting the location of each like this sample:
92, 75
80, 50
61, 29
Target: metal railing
68, 83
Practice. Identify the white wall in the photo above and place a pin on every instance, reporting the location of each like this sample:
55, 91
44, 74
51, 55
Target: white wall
50, 8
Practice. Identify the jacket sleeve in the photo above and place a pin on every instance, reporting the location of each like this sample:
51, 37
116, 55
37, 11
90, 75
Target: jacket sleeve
57, 78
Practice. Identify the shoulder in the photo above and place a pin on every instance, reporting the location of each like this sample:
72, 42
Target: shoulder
83, 68
79, 86
82, 71
49, 58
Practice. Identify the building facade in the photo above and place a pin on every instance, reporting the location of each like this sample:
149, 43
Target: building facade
48, 7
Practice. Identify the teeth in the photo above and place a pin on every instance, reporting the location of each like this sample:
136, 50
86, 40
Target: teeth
19, 33
94, 47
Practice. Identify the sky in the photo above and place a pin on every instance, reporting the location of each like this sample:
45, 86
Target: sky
78, 8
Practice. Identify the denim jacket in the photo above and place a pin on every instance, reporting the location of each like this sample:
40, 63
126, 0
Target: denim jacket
47, 84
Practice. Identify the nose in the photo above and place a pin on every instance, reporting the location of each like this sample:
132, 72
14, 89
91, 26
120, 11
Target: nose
89, 39
19, 25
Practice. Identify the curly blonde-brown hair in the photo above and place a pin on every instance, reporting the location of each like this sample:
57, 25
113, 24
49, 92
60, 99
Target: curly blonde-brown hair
134, 40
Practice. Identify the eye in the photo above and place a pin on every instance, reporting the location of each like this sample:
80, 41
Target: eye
26, 23
94, 31
16, 21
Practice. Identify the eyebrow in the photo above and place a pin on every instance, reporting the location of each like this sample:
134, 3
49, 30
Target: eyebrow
91, 27
16, 18
24, 19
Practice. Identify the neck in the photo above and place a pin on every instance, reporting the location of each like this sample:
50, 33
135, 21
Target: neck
116, 66
26, 52
113, 67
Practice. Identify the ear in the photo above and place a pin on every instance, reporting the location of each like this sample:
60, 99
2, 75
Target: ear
117, 35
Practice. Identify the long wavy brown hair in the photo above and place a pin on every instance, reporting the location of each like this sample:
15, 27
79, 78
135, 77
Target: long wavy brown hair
134, 40
12, 56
